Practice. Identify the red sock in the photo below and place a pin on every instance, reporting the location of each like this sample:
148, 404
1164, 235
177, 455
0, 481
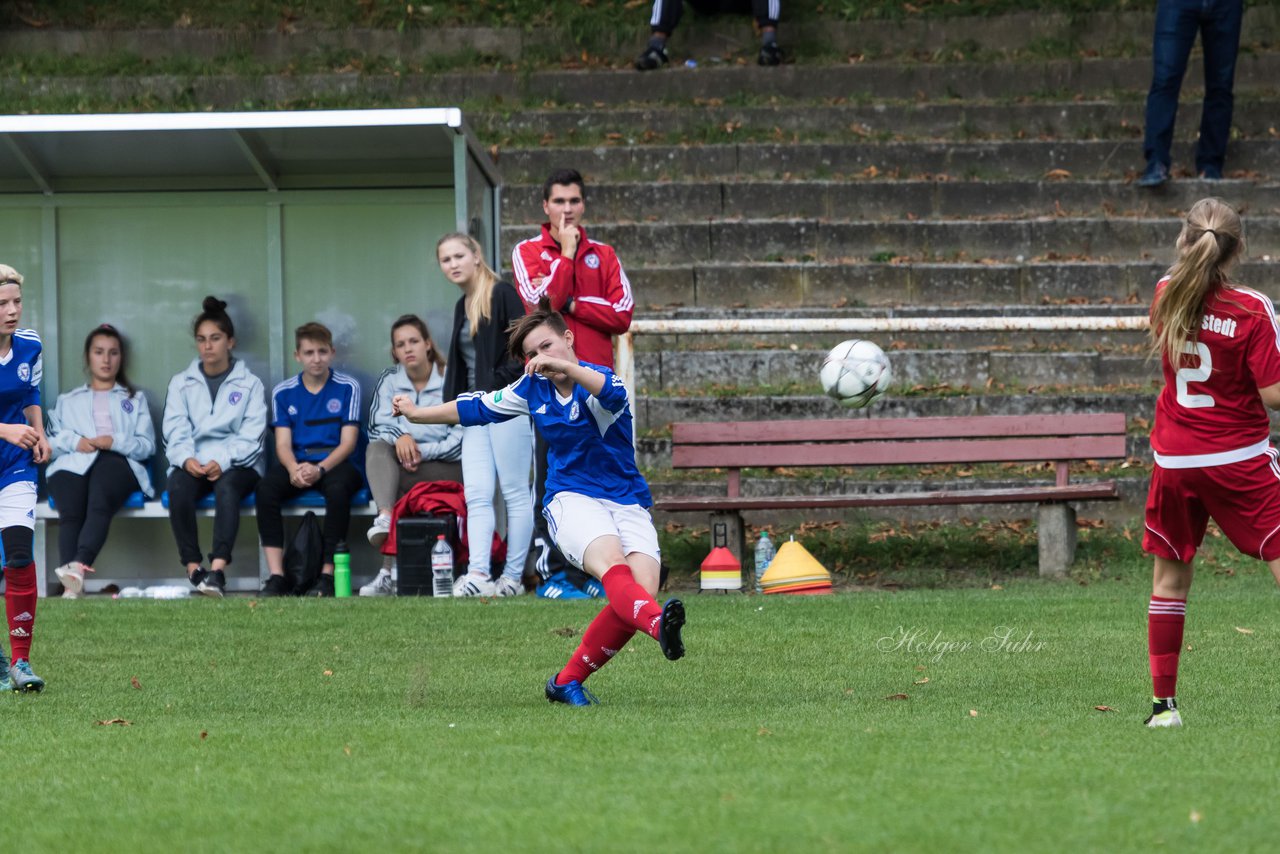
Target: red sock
630, 601
20, 607
1165, 618
600, 642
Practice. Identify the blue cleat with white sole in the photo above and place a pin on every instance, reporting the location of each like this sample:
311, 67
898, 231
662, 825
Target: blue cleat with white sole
24, 681
571, 694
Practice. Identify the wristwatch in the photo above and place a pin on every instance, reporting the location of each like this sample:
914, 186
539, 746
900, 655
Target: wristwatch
322, 472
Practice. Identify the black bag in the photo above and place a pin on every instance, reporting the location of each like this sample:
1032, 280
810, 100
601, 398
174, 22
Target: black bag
304, 556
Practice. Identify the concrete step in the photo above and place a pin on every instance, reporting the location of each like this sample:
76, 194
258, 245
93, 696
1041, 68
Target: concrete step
712, 121
873, 81
827, 285
869, 199
1028, 159
670, 371
937, 240
657, 413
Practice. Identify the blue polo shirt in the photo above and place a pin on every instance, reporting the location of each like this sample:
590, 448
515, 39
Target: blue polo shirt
316, 419
20, 373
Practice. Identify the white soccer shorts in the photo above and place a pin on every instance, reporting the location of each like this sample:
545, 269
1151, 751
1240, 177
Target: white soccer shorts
576, 521
18, 505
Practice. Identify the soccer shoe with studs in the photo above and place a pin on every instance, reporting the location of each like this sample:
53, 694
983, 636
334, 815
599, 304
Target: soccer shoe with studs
669, 626
572, 693
24, 681
1164, 713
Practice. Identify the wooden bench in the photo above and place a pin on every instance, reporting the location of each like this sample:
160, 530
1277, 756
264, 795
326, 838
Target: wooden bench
1060, 439
137, 507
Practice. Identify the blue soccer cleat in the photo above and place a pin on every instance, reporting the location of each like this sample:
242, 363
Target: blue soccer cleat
558, 587
22, 679
594, 588
571, 694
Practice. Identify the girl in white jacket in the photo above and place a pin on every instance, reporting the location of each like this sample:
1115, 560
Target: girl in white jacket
102, 440
215, 416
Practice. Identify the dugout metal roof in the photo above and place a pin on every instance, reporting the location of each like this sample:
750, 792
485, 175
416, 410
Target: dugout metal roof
315, 149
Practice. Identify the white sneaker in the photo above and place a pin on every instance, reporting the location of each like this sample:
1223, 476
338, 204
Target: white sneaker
473, 584
382, 585
72, 577
1169, 717
508, 586
379, 531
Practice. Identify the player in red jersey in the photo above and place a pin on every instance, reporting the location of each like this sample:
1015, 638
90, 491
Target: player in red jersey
1219, 348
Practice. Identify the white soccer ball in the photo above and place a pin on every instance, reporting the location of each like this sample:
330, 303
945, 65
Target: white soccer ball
855, 373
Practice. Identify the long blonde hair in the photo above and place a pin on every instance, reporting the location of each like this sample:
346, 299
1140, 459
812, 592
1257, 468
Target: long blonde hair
1211, 240
479, 304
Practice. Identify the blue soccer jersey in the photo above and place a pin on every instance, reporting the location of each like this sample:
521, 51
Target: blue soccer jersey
590, 438
20, 373
316, 419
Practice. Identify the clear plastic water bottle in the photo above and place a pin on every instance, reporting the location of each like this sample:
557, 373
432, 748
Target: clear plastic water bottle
341, 571
764, 557
441, 568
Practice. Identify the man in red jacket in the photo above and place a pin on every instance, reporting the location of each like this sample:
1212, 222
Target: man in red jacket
586, 284
582, 277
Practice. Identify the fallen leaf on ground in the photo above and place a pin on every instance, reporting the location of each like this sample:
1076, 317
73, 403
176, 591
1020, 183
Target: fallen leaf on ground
564, 632
921, 681
764, 730
1195, 816
1244, 631
204, 733
133, 680
973, 713
1104, 708
346, 748
896, 697
328, 673
120, 721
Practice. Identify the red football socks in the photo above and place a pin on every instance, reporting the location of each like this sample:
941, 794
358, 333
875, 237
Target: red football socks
600, 642
20, 607
631, 602
1165, 619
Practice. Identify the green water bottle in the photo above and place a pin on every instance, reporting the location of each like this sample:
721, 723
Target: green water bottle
341, 571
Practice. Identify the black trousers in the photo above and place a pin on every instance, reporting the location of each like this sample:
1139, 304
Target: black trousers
228, 491
338, 487
87, 502
666, 13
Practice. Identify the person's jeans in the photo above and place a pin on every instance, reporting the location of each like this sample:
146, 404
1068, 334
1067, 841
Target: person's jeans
1177, 22
503, 451
228, 491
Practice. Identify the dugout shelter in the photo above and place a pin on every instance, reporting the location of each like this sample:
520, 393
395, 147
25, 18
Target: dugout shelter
328, 215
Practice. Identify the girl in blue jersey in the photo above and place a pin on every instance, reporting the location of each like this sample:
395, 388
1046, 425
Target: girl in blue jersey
596, 500
102, 439
24, 446
492, 454
215, 416
316, 417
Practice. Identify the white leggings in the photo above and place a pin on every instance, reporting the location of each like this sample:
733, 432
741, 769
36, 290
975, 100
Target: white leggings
503, 452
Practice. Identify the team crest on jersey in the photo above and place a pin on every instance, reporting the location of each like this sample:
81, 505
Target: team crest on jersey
573, 411
235, 397
126, 405
293, 410
592, 261
334, 405
24, 372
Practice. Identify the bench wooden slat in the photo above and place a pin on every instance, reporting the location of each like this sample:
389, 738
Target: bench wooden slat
899, 453
1104, 490
863, 429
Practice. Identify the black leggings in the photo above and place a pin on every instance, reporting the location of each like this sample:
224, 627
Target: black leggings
17, 542
87, 502
666, 13
338, 487
228, 491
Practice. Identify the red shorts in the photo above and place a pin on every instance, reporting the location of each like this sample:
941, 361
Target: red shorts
1243, 498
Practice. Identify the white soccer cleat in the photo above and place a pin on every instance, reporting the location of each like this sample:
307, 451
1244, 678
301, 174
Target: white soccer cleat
1169, 717
382, 585
72, 577
379, 530
473, 584
508, 586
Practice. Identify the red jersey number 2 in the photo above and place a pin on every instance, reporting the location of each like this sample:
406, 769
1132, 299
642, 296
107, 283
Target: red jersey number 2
1198, 374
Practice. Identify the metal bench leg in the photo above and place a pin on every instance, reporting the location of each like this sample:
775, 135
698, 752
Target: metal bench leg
737, 536
38, 547
1057, 539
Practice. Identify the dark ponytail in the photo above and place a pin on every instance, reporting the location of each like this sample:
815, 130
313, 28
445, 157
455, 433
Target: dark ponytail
215, 311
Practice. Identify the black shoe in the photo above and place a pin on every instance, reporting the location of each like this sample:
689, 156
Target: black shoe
197, 578
1211, 173
770, 54
213, 583
669, 626
324, 587
275, 586
1157, 173
654, 57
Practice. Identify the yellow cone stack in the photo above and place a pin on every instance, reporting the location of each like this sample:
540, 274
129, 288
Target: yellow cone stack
794, 570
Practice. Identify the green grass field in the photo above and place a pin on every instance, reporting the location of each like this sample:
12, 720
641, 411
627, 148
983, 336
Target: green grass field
419, 725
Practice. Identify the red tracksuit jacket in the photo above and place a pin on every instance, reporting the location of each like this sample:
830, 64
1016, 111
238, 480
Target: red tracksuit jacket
602, 301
